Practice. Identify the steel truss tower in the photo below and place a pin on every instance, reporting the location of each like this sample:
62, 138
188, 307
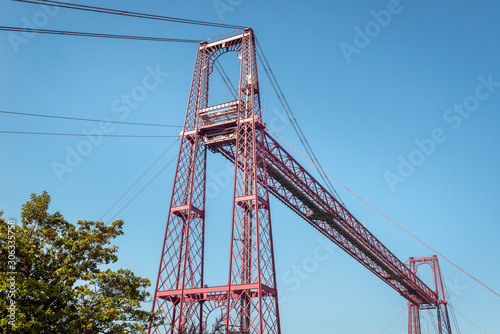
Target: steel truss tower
248, 303
440, 305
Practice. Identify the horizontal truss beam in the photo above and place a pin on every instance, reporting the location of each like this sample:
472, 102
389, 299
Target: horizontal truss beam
216, 292
301, 192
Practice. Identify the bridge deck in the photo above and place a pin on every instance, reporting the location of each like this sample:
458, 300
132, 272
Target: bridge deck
300, 191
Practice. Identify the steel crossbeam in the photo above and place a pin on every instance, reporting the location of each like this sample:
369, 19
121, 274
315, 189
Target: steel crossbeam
249, 301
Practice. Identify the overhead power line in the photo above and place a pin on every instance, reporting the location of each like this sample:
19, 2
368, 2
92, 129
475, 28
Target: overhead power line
129, 13
83, 135
90, 34
86, 119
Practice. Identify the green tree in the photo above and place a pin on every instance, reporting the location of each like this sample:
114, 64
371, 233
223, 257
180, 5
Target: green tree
60, 284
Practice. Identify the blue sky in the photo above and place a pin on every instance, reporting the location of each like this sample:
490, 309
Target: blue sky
404, 113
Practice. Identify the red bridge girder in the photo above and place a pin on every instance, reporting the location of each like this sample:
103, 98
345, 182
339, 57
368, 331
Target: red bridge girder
249, 302
293, 185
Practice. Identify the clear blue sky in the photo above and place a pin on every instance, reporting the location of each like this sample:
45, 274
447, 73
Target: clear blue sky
404, 113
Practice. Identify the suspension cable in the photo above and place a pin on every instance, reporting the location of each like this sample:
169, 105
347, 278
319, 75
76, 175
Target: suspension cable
391, 220
448, 299
293, 120
133, 185
226, 79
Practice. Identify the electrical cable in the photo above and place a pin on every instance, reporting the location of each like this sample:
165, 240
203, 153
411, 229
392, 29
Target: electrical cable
87, 119
140, 178
390, 220
82, 135
88, 34
129, 13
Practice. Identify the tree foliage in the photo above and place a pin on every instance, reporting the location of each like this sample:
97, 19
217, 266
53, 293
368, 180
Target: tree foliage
61, 285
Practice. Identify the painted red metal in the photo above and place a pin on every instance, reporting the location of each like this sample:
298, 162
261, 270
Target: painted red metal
249, 302
300, 191
443, 322
181, 266
413, 319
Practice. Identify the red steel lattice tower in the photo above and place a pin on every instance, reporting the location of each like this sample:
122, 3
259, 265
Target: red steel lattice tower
440, 304
249, 302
